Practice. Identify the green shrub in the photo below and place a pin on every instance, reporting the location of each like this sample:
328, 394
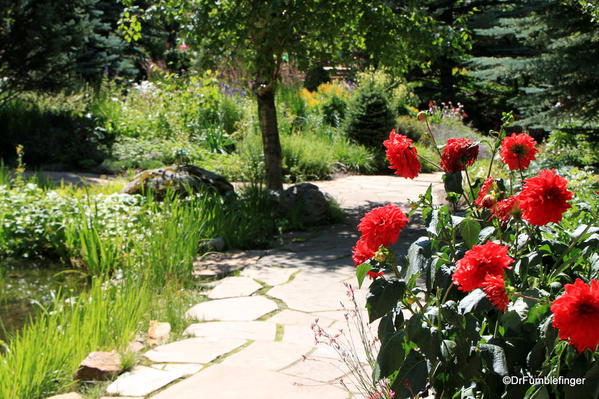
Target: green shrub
411, 127
53, 130
564, 149
369, 118
333, 111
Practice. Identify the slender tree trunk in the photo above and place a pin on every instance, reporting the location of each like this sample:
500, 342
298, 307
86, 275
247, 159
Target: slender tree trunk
267, 115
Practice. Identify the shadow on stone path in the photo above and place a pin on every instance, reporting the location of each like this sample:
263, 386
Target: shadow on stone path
253, 339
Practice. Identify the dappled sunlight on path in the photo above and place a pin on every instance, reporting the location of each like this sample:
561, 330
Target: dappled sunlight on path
254, 340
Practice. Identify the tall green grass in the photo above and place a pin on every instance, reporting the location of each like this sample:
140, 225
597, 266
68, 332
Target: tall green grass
42, 358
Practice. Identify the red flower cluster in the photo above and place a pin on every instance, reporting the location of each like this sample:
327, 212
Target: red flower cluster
480, 261
483, 267
402, 155
576, 315
381, 226
494, 287
518, 150
458, 154
544, 198
361, 252
489, 194
509, 207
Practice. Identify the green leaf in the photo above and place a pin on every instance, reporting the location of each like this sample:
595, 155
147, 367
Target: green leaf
474, 301
470, 229
495, 358
391, 356
536, 392
412, 376
486, 233
361, 272
417, 257
383, 296
453, 182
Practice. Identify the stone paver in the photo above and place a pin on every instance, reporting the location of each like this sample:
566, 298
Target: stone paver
325, 294
233, 309
223, 263
268, 355
268, 274
142, 381
234, 287
184, 369
317, 369
293, 317
255, 330
279, 356
228, 382
194, 350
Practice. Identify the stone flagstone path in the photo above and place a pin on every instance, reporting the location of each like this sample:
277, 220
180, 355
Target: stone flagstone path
253, 338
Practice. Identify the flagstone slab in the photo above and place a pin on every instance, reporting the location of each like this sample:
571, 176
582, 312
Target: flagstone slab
185, 369
142, 381
234, 287
311, 294
293, 317
232, 309
194, 350
268, 274
228, 382
255, 330
317, 369
268, 355
220, 264
299, 335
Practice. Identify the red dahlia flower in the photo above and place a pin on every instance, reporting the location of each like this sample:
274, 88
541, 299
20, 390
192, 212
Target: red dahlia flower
361, 252
478, 263
576, 315
374, 275
509, 207
402, 155
518, 150
489, 194
381, 226
458, 154
544, 198
494, 287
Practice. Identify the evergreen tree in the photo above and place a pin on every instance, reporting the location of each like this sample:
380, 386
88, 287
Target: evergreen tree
51, 44
541, 58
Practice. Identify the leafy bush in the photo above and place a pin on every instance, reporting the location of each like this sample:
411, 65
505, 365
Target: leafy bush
410, 127
369, 117
567, 149
333, 111
311, 156
400, 94
53, 130
486, 296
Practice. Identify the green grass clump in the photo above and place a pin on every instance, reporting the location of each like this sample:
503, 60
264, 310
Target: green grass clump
41, 358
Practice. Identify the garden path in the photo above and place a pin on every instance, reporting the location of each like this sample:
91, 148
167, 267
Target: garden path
255, 339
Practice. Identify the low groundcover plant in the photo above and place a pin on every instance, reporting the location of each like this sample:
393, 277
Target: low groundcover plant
497, 291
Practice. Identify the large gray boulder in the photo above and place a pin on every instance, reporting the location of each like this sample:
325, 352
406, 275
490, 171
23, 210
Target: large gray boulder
178, 178
309, 201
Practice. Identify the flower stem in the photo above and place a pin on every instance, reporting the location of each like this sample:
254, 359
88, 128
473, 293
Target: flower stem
429, 161
430, 132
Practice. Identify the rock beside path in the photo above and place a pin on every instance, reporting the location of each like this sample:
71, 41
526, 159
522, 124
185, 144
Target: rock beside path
158, 333
308, 201
99, 366
178, 178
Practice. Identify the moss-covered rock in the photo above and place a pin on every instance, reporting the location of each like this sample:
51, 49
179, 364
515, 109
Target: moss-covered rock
181, 179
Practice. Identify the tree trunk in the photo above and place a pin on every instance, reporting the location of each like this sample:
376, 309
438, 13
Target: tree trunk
267, 115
